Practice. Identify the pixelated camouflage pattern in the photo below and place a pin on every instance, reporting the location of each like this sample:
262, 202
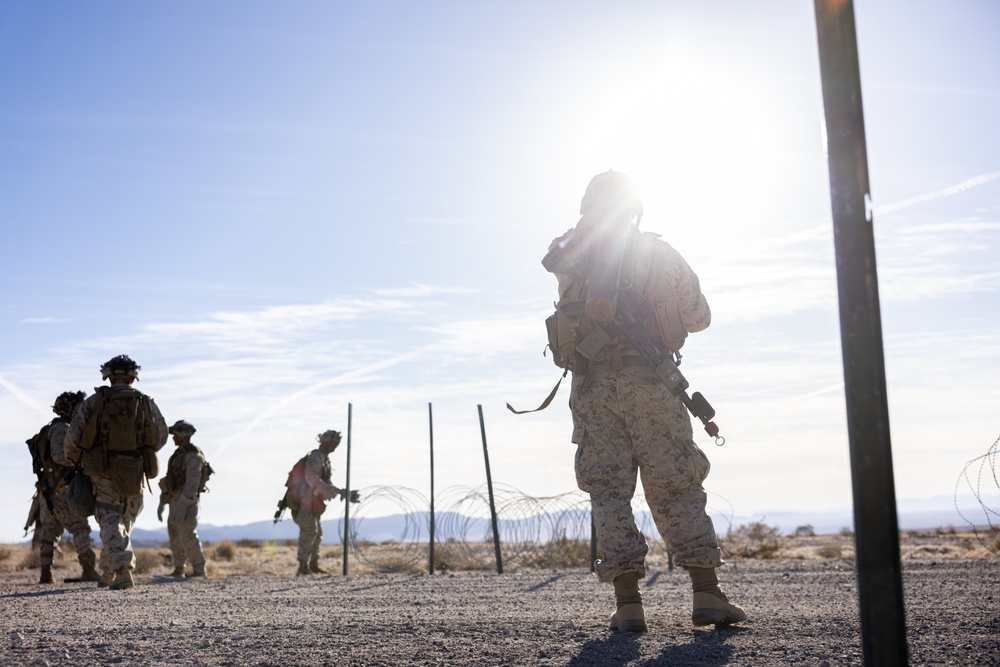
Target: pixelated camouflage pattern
114, 514
52, 527
627, 423
182, 521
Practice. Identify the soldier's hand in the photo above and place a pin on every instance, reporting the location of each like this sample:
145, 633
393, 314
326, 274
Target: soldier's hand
159, 512
355, 497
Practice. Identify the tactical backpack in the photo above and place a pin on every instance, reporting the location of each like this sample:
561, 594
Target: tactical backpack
119, 439
299, 493
40, 447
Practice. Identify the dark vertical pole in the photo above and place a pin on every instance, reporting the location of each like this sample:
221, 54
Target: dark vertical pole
883, 626
593, 540
347, 490
489, 487
430, 420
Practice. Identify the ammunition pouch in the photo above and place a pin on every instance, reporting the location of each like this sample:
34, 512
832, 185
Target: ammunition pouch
126, 473
94, 461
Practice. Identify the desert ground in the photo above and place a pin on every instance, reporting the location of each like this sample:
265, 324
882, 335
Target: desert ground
801, 597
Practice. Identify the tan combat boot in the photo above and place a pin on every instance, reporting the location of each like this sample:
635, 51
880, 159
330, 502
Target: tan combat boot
314, 566
630, 616
178, 572
106, 578
123, 579
87, 561
46, 575
711, 606
199, 571
303, 569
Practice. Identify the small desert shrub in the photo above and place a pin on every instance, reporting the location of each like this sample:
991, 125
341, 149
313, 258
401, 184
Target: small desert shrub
846, 532
224, 551
754, 540
31, 560
5, 554
829, 551
146, 560
804, 531
248, 544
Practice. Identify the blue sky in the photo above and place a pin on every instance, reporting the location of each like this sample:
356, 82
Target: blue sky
280, 210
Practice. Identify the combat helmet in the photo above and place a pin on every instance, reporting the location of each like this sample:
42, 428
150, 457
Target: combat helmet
611, 188
118, 366
181, 427
328, 436
66, 403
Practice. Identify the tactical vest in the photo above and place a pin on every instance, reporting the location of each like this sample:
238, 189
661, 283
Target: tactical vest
176, 475
663, 320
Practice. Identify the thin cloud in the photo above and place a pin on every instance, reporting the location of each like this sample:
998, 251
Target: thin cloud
42, 320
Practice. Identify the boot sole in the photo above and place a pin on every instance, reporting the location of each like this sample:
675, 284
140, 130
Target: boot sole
715, 617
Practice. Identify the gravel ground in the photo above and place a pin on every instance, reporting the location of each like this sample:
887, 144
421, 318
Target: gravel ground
801, 612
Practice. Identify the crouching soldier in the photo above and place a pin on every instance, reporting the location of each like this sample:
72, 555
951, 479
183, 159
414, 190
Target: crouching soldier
181, 488
54, 513
309, 488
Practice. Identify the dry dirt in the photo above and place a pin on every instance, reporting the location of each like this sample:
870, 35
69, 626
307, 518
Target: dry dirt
803, 610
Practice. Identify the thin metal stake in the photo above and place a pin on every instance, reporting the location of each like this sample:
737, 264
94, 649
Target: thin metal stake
489, 486
880, 587
430, 420
347, 490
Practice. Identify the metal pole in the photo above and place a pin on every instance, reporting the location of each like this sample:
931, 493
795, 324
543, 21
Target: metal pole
430, 420
347, 490
489, 486
883, 626
593, 540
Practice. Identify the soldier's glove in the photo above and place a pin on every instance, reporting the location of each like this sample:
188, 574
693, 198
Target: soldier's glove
355, 498
159, 512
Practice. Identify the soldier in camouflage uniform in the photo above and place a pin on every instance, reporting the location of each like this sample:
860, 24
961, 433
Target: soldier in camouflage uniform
115, 513
309, 488
181, 488
625, 420
55, 471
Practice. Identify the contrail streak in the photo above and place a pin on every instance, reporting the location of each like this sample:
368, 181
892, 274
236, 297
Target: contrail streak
343, 378
21, 396
938, 194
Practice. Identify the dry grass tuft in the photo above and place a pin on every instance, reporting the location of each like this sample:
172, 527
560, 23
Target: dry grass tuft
224, 551
146, 560
753, 540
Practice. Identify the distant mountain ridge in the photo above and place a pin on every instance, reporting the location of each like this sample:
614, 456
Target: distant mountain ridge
413, 527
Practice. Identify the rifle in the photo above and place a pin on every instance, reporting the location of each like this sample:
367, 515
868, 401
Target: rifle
282, 506
36, 466
656, 355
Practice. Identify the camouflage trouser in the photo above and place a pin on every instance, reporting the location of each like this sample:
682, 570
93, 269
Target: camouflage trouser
626, 422
310, 533
115, 515
65, 519
182, 527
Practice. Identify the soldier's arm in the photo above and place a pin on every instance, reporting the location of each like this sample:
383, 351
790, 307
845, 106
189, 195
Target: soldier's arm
694, 306
71, 441
161, 425
57, 439
314, 472
192, 475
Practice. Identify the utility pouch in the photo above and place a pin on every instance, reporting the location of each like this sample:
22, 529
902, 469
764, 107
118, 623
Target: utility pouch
80, 495
126, 473
670, 322
150, 463
164, 486
94, 461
